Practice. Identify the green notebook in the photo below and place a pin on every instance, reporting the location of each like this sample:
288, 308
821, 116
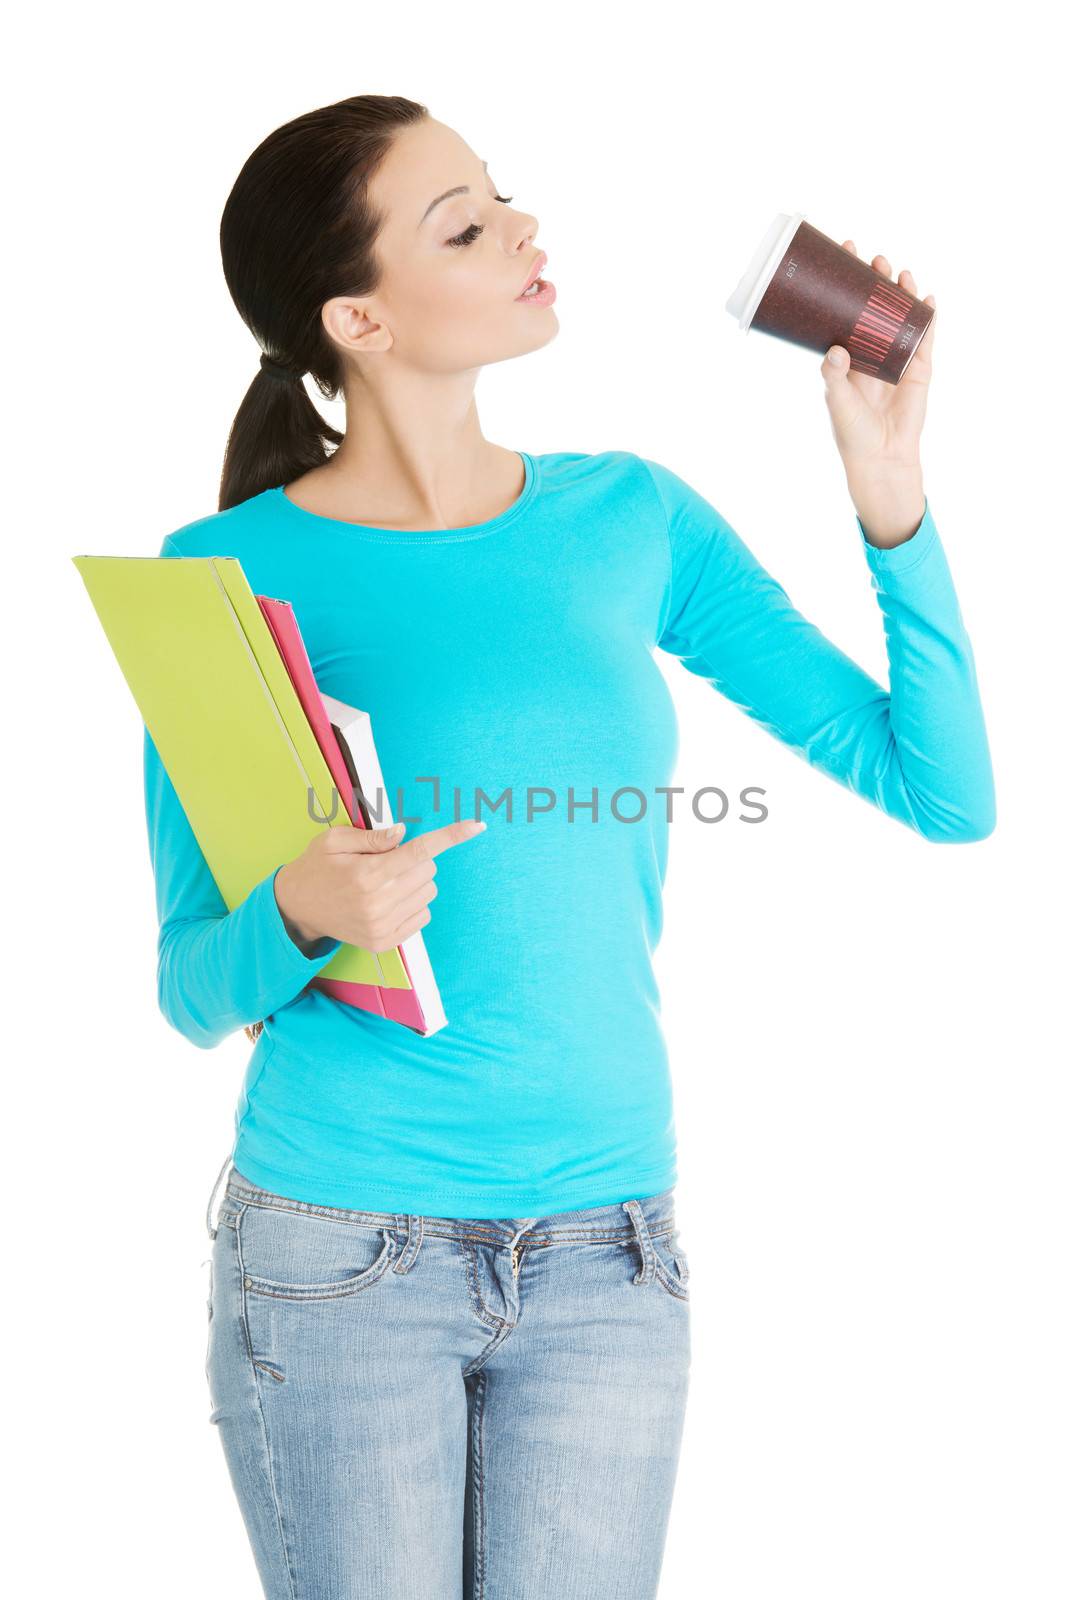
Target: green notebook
218, 702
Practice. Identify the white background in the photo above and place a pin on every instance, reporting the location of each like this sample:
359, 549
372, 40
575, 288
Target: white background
868, 1049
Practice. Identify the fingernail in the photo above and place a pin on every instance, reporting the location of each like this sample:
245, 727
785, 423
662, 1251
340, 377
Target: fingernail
836, 358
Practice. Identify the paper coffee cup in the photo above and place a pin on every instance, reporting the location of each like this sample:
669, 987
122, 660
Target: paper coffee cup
804, 288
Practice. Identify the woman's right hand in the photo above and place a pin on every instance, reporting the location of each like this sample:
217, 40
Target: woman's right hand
362, 887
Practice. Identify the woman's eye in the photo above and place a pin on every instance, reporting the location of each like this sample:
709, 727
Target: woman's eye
470, 234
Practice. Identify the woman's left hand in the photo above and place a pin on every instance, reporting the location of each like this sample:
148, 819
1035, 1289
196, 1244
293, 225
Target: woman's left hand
877, 424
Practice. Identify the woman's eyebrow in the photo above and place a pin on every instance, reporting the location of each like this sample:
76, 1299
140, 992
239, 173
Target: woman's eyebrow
461, 188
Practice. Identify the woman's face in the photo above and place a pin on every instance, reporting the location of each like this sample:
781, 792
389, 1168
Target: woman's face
451, 268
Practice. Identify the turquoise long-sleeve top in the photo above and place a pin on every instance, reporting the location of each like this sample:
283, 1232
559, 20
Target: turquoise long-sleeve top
518, 657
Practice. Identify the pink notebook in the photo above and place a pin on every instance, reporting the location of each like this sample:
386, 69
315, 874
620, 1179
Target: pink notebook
398, 1005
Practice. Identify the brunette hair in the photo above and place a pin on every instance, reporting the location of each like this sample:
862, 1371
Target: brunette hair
298, 228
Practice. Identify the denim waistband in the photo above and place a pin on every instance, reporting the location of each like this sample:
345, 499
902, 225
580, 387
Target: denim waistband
604, 1223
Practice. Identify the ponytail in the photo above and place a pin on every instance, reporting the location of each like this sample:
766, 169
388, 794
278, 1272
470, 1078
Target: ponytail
278, 434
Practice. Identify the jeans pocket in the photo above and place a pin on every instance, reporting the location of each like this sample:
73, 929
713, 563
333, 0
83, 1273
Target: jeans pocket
672, 1263
291, 1255
662, 1256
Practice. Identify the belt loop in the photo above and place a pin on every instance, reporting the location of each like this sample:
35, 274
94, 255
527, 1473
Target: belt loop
633, 1208
211, 1198
406, 1260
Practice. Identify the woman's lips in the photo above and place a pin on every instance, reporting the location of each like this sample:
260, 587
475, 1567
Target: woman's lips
545, 295
541, 261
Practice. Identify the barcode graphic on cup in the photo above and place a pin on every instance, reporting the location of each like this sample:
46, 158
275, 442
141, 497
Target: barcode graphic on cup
877, 328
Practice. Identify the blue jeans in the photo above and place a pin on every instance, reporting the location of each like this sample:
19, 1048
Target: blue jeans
442, 1408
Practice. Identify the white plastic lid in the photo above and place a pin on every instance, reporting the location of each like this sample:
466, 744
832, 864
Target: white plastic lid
763, 267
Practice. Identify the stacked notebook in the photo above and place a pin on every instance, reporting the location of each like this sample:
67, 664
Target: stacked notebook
259, 757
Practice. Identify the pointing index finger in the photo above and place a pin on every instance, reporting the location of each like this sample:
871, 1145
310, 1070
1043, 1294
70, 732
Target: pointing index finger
426, 845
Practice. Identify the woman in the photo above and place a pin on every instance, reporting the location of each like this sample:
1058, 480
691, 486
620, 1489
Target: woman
449, 1336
